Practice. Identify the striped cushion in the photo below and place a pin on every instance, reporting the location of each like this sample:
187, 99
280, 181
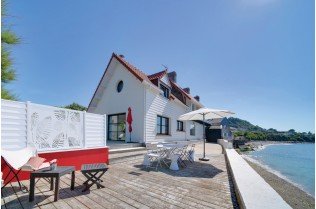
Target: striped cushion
35, 162
44, 165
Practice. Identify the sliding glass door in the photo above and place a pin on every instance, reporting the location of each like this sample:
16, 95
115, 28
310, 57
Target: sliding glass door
116, 127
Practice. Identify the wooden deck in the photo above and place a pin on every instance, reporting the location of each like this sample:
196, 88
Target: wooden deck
128, 185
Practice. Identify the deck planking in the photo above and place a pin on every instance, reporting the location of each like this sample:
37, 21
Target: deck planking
129, 185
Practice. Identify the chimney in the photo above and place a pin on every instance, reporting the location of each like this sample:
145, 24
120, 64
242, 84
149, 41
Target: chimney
187, 90
173, 76
122, 56
197, 98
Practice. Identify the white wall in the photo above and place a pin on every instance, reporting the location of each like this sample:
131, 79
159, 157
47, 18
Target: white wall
132, 95
146, 103
156, 104
198, 131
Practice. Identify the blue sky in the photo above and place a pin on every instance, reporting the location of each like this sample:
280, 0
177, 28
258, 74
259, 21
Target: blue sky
254, 57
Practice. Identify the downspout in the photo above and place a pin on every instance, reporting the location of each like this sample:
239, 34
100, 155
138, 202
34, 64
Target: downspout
144, 113
185, 129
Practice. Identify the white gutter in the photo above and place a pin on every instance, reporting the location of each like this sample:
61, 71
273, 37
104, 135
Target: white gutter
144, 113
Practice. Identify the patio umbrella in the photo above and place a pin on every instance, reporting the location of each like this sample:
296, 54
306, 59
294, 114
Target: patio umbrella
129, 121
202, 115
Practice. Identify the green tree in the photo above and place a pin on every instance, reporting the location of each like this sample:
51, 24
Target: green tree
8, 39
291, 131
75, 106
272, 130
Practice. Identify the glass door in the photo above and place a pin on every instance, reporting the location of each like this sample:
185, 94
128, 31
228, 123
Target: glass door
116, 127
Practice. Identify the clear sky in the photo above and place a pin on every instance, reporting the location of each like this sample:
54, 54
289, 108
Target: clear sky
254, 57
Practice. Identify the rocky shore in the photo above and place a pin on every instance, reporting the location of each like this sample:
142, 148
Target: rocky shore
258, 145
294, 196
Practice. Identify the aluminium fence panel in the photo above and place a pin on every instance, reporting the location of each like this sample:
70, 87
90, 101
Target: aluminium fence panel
13, 125
95, 130
53, 128
49, 128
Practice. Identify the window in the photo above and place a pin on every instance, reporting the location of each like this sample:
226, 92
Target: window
119, 86
192, 129
165, 91
192, 107
116, 127
179, 125
162, 125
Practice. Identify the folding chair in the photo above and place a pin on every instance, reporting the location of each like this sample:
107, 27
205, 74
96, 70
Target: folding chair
189, 153
181, 155
16, 162
154, 154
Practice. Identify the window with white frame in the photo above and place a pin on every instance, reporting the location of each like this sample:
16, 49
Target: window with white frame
193, 107
192, 129
180, 125
165, 91
162, 125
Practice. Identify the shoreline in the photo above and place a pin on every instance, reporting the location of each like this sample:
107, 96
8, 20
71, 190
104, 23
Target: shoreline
296, 197
260, 145
275, 172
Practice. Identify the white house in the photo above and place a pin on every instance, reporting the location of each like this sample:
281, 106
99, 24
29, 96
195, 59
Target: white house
156, 102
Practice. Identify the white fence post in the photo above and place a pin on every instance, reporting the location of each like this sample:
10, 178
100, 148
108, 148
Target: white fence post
105, 130
28, 123
84, 128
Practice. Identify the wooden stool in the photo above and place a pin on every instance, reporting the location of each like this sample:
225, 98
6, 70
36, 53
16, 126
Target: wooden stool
93, 173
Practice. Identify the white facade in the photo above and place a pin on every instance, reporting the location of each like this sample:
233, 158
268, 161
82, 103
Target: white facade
146, 101
132, 95
156, 104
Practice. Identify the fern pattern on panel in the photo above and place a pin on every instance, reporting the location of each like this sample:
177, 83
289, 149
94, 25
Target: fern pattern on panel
56, 128
59, 141
43, 132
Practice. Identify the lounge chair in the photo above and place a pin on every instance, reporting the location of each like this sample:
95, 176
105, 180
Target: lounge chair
21, 160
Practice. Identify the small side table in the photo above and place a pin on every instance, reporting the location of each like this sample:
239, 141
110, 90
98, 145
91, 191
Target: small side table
93, 173
146, 161
174, 162
57, 173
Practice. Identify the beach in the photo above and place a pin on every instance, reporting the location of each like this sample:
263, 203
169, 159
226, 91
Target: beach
294, 196
257, 145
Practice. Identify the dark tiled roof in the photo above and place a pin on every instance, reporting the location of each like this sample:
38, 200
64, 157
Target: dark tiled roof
182, 91
138, 73
215, 121
158, 75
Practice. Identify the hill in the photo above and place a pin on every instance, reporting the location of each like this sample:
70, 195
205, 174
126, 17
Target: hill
254, 132
243, 125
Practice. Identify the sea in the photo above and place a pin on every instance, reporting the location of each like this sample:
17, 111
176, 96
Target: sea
293, 162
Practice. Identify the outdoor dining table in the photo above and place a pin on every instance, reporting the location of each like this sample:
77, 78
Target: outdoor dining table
170, 148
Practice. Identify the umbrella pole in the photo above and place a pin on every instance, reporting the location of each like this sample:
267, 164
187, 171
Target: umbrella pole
204, 158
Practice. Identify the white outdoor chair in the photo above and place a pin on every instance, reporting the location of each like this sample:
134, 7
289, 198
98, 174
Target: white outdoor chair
17, 161
189, 154
181, 152
151, 147
154, 154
